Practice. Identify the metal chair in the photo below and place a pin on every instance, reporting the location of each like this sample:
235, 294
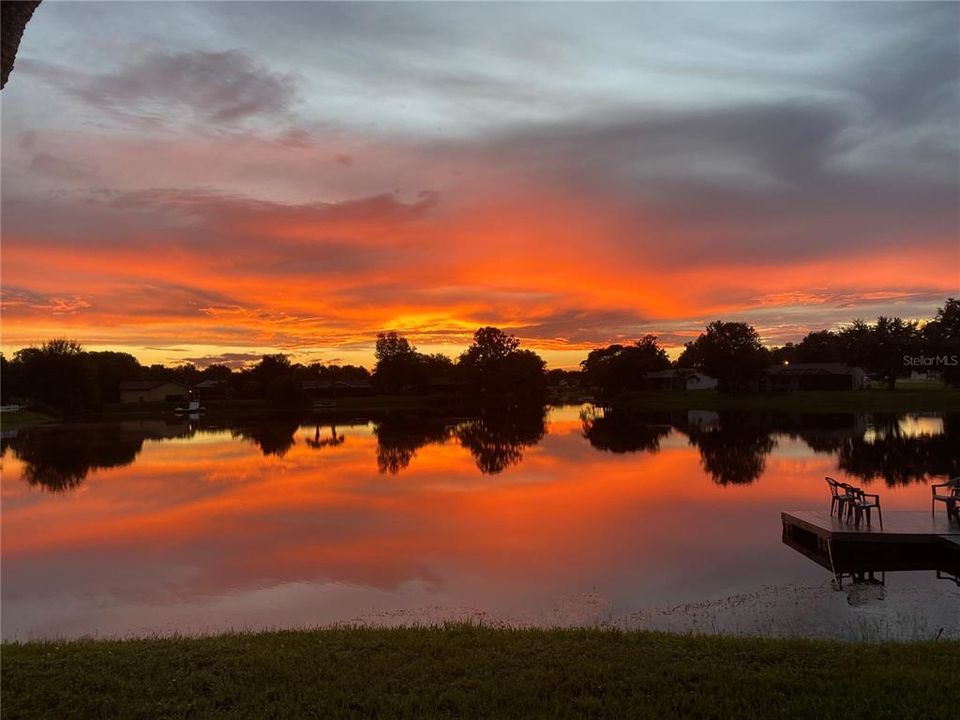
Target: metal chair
950, 497
847, 501
834, 494
862, 505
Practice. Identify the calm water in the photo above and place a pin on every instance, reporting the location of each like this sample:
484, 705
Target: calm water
518, 516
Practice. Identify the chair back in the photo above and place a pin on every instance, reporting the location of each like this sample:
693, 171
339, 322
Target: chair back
850, 490
834, 486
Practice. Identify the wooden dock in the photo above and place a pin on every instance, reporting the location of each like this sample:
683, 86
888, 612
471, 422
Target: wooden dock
907, 541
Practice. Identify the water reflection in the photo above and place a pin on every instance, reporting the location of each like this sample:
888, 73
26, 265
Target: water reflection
400, 435
576, 516
619, 431
735, 450
733, 447
498, 438
892, 452
274, 436
317, 442
59, 459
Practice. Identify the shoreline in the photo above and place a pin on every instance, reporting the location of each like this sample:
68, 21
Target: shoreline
904, 400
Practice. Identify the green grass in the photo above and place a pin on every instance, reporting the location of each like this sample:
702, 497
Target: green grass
906, 398
475, 672
21, 419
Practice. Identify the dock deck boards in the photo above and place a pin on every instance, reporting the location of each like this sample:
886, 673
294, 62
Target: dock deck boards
908, 540
898, 525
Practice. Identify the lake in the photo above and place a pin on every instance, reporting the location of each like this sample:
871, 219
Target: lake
517, 516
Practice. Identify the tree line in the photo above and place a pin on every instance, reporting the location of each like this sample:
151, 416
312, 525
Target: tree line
62, 376
733, 353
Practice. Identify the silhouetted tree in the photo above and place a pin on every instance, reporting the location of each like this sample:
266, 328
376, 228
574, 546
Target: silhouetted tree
400, 367
494, 363
11, 381
58, 374
821, 346
881, 347
571, 378
941, 341
616, 368
786, 353
111, 369
284, 390
729, 351
217, 372
270, 367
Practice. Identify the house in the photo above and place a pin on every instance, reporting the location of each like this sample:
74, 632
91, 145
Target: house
213, 390
680, 379
814, 376
152, 391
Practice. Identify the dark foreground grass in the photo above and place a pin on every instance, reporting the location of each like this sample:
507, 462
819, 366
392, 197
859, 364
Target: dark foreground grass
473, 672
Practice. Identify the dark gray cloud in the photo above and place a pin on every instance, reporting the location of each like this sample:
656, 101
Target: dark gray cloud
756, 183
915, 76
586, 326
213, 87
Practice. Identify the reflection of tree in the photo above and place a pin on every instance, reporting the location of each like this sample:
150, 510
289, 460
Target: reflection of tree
317, 442
734, 452
400, 436
273, 436
59, 459
901, 459
498, 437
825, 432
621, 432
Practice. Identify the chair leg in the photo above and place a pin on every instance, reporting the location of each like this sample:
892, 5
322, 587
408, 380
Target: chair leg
880, 516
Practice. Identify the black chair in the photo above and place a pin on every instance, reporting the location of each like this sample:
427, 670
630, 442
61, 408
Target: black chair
863, 503
848, 499
949, 496
834, 494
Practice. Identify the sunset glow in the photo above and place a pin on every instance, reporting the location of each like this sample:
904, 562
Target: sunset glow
220, 180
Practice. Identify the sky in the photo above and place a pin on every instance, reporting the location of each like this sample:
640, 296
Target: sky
207, 182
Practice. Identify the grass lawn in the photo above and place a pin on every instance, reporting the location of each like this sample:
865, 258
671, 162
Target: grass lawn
21, 419
906, 398
470, 672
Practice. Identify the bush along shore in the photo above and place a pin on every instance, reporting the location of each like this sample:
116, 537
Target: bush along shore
459, 671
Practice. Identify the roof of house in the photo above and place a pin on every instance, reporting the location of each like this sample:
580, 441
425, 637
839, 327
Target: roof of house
135, 385
210, 384
674, 373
